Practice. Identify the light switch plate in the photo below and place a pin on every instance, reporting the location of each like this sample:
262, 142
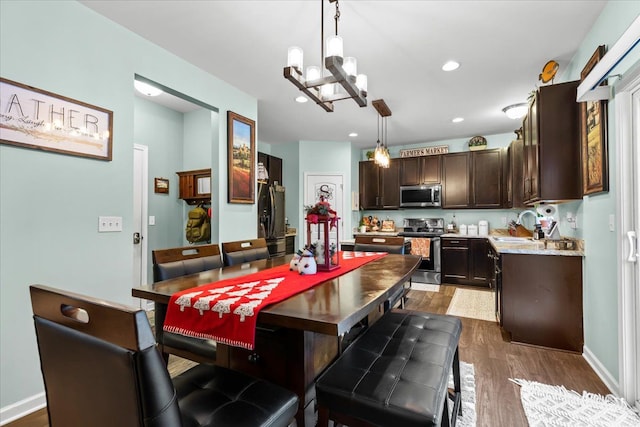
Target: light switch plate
108, 224
612, 222
152, 220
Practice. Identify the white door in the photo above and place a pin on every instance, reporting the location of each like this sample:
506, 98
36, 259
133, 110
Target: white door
140, 198
628, 130
331, 187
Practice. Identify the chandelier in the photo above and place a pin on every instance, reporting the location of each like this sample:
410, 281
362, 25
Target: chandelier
344, 81
381, 154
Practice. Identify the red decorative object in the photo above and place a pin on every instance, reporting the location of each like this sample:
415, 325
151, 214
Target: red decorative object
322, 231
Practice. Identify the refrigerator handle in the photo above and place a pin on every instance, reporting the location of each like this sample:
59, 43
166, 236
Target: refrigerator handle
272, 219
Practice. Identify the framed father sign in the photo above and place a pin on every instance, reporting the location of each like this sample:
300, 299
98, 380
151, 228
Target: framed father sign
35, 118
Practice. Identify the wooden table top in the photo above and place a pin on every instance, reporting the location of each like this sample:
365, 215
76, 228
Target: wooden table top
332, 307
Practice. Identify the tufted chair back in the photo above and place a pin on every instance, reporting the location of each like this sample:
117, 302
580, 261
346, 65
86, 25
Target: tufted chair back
242, 251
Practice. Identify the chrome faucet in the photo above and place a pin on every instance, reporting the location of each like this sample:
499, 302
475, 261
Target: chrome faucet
519, 221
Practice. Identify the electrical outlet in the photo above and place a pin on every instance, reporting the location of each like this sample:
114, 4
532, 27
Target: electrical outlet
108, 224
572, 220
504, 221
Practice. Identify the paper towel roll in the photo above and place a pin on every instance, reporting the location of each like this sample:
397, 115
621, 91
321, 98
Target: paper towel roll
548, 210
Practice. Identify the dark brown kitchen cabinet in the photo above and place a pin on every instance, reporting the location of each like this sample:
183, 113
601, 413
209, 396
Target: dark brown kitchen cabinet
472, 179
514, 190
551, 146
486, 179
465, 261
273, 166
456, 180
455, 260
420, 170
541, 300
379, 187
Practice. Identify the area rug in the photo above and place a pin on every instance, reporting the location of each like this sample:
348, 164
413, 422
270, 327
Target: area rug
549, 405
474, 304
468, 390
428, 287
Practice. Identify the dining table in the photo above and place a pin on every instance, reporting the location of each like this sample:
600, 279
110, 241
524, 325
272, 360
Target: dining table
298, 338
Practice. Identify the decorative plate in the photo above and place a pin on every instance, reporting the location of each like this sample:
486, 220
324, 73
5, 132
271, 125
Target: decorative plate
477, 143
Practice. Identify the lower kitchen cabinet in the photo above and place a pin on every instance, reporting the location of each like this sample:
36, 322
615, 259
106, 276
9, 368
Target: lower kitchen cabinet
290, 247
465, 261
541, 300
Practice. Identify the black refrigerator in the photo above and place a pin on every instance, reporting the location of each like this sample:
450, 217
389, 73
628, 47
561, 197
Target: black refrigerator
271, 218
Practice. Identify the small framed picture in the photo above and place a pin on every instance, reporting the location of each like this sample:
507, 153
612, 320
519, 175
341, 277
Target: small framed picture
161, 185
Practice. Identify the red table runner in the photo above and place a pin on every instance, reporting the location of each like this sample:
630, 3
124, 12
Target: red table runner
227, 311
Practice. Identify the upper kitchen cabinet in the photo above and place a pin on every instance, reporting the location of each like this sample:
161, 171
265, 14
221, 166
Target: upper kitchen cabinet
379, 187
514, 168
420, 170
273, 166
456, 180
486, 180
472, 179
551, 147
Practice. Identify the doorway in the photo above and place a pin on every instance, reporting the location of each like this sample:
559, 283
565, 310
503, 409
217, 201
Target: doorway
331, 187
628, 202
140, 200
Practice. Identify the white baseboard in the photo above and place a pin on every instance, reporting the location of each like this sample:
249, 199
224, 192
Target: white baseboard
22, 408
601, 371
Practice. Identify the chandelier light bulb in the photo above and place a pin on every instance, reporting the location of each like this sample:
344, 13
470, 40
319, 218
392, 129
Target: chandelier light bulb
313, 73
326, 90
294, 57
350, 66
361, 82
334, 46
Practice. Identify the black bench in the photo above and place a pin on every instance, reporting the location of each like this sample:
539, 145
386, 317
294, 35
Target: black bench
395, 374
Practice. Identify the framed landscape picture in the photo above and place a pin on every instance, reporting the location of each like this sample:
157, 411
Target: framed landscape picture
241, 154
593, 137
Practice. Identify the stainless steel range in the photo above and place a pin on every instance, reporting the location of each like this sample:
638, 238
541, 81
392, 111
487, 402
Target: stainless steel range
431, 228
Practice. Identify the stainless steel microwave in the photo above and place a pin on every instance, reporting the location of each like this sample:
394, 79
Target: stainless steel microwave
420, 196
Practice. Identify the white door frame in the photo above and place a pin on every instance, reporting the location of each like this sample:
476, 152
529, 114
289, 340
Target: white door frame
140, 198
629, 219
342, 215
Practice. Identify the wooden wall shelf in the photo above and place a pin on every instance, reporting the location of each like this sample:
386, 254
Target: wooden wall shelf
195, 186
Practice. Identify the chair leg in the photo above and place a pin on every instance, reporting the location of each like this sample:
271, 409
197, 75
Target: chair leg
323, 417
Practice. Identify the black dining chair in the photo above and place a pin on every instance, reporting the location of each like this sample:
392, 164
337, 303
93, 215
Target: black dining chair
169, 264
242, 251
101, 368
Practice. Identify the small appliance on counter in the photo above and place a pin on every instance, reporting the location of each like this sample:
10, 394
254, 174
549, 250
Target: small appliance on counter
483, 228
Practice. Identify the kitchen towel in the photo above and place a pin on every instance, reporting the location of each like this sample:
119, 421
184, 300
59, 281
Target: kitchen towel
226, 311
421, 246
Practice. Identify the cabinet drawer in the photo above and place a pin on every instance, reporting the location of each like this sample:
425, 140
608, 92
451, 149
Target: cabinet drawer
450, 242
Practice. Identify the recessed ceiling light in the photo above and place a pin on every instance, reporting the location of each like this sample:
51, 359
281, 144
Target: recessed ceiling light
301, 99
353, 134
450, 66
458, 120
146, 88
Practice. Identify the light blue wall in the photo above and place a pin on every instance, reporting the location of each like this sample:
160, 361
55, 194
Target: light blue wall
161, 130
67, 49
601, 256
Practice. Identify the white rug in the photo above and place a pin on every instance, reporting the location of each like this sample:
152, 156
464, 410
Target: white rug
474, 304
468, 391
548, 405
428, 287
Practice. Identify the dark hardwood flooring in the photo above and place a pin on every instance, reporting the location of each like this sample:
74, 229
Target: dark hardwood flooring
494, 358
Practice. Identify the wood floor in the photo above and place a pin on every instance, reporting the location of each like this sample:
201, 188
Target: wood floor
495, 361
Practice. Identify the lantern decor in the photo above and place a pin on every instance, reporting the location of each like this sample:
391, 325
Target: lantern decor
321, 220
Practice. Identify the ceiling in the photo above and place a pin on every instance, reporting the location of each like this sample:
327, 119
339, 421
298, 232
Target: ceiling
400, 45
